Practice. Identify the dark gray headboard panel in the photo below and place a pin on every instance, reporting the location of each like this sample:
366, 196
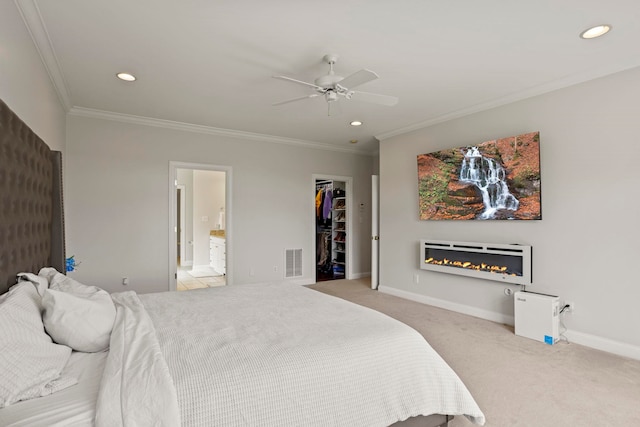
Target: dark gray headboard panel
31, 209
58, 250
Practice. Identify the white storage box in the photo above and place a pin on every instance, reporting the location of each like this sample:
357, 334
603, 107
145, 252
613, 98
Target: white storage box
537, 316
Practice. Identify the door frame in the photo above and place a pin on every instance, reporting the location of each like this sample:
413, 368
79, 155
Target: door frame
348, 182
173, 182
375, 231
182, 225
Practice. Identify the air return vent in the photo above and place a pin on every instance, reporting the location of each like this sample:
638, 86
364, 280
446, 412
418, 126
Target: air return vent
292, 263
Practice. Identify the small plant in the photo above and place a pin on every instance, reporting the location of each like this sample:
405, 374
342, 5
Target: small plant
71, 264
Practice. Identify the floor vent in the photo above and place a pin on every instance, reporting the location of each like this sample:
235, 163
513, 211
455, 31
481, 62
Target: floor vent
293, 263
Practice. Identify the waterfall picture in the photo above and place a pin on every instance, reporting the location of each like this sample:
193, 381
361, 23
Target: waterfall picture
493, 180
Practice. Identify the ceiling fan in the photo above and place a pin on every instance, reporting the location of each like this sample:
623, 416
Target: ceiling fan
333, 86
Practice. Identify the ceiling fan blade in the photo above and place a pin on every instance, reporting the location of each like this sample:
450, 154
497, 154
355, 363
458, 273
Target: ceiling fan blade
374, 98
313, 95
358, 78
300, 82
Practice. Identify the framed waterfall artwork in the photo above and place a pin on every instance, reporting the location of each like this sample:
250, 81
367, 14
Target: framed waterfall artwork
493, 180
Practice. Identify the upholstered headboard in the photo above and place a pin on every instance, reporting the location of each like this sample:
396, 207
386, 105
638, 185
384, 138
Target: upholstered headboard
31, 210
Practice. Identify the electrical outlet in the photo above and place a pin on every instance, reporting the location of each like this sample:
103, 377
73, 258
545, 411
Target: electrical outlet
275, 268
571, 307
125, 281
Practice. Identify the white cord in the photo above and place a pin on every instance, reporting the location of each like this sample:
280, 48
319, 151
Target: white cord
562, 335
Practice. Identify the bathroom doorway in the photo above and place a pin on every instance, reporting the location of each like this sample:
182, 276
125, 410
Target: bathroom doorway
200, 234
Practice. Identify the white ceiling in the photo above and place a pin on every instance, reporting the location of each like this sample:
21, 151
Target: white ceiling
210, 63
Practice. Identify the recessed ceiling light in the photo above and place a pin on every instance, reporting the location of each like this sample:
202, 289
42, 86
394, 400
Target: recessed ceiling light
126, 77
356, 123
597, 31
353, 141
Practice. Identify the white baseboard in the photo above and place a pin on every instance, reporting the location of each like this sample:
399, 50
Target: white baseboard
186, 263
604, 344
448, 305
360, 275
588, 340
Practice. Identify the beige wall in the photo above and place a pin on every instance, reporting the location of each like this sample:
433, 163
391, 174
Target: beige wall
118, 211
585, 249
25, 85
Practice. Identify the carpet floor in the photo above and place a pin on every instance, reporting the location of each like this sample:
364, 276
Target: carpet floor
515, 381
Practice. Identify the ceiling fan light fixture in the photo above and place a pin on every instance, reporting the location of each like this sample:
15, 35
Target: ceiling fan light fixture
594, 32
333, 86
356, 123
127, 77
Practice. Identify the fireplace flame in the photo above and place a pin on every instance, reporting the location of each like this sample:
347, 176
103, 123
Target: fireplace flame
466, 264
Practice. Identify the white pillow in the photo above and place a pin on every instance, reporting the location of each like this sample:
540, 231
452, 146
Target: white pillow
48, 273
30, 364
78, 315
41, 283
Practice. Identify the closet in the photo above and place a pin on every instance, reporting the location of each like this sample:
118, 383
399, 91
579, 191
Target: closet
331, 230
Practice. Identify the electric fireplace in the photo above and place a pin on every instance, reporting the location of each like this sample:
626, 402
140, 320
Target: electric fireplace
492, 261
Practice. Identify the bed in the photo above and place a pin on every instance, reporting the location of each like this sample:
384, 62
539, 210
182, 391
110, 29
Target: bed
257, 355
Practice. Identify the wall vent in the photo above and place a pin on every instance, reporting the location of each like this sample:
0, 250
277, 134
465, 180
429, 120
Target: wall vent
292, 263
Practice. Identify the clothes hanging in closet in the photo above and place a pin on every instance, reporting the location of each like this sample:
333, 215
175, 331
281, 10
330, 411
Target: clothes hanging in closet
324, 199
326, 207
319, 198
323, 250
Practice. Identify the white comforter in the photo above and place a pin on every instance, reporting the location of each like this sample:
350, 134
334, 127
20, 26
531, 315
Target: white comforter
136, 387
270, 355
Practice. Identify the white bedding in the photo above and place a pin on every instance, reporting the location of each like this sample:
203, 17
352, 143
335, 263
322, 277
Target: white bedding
251, 355
73, 406
136, 388
283, 355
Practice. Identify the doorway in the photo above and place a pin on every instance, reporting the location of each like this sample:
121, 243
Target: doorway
332, 225
200, 226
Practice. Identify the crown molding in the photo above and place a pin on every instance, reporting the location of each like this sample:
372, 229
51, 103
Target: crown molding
554, 85
35, 25
188, 127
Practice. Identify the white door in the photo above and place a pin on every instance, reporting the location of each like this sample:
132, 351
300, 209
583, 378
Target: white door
374, 231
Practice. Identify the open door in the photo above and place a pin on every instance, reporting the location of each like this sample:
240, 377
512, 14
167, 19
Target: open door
375, 255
